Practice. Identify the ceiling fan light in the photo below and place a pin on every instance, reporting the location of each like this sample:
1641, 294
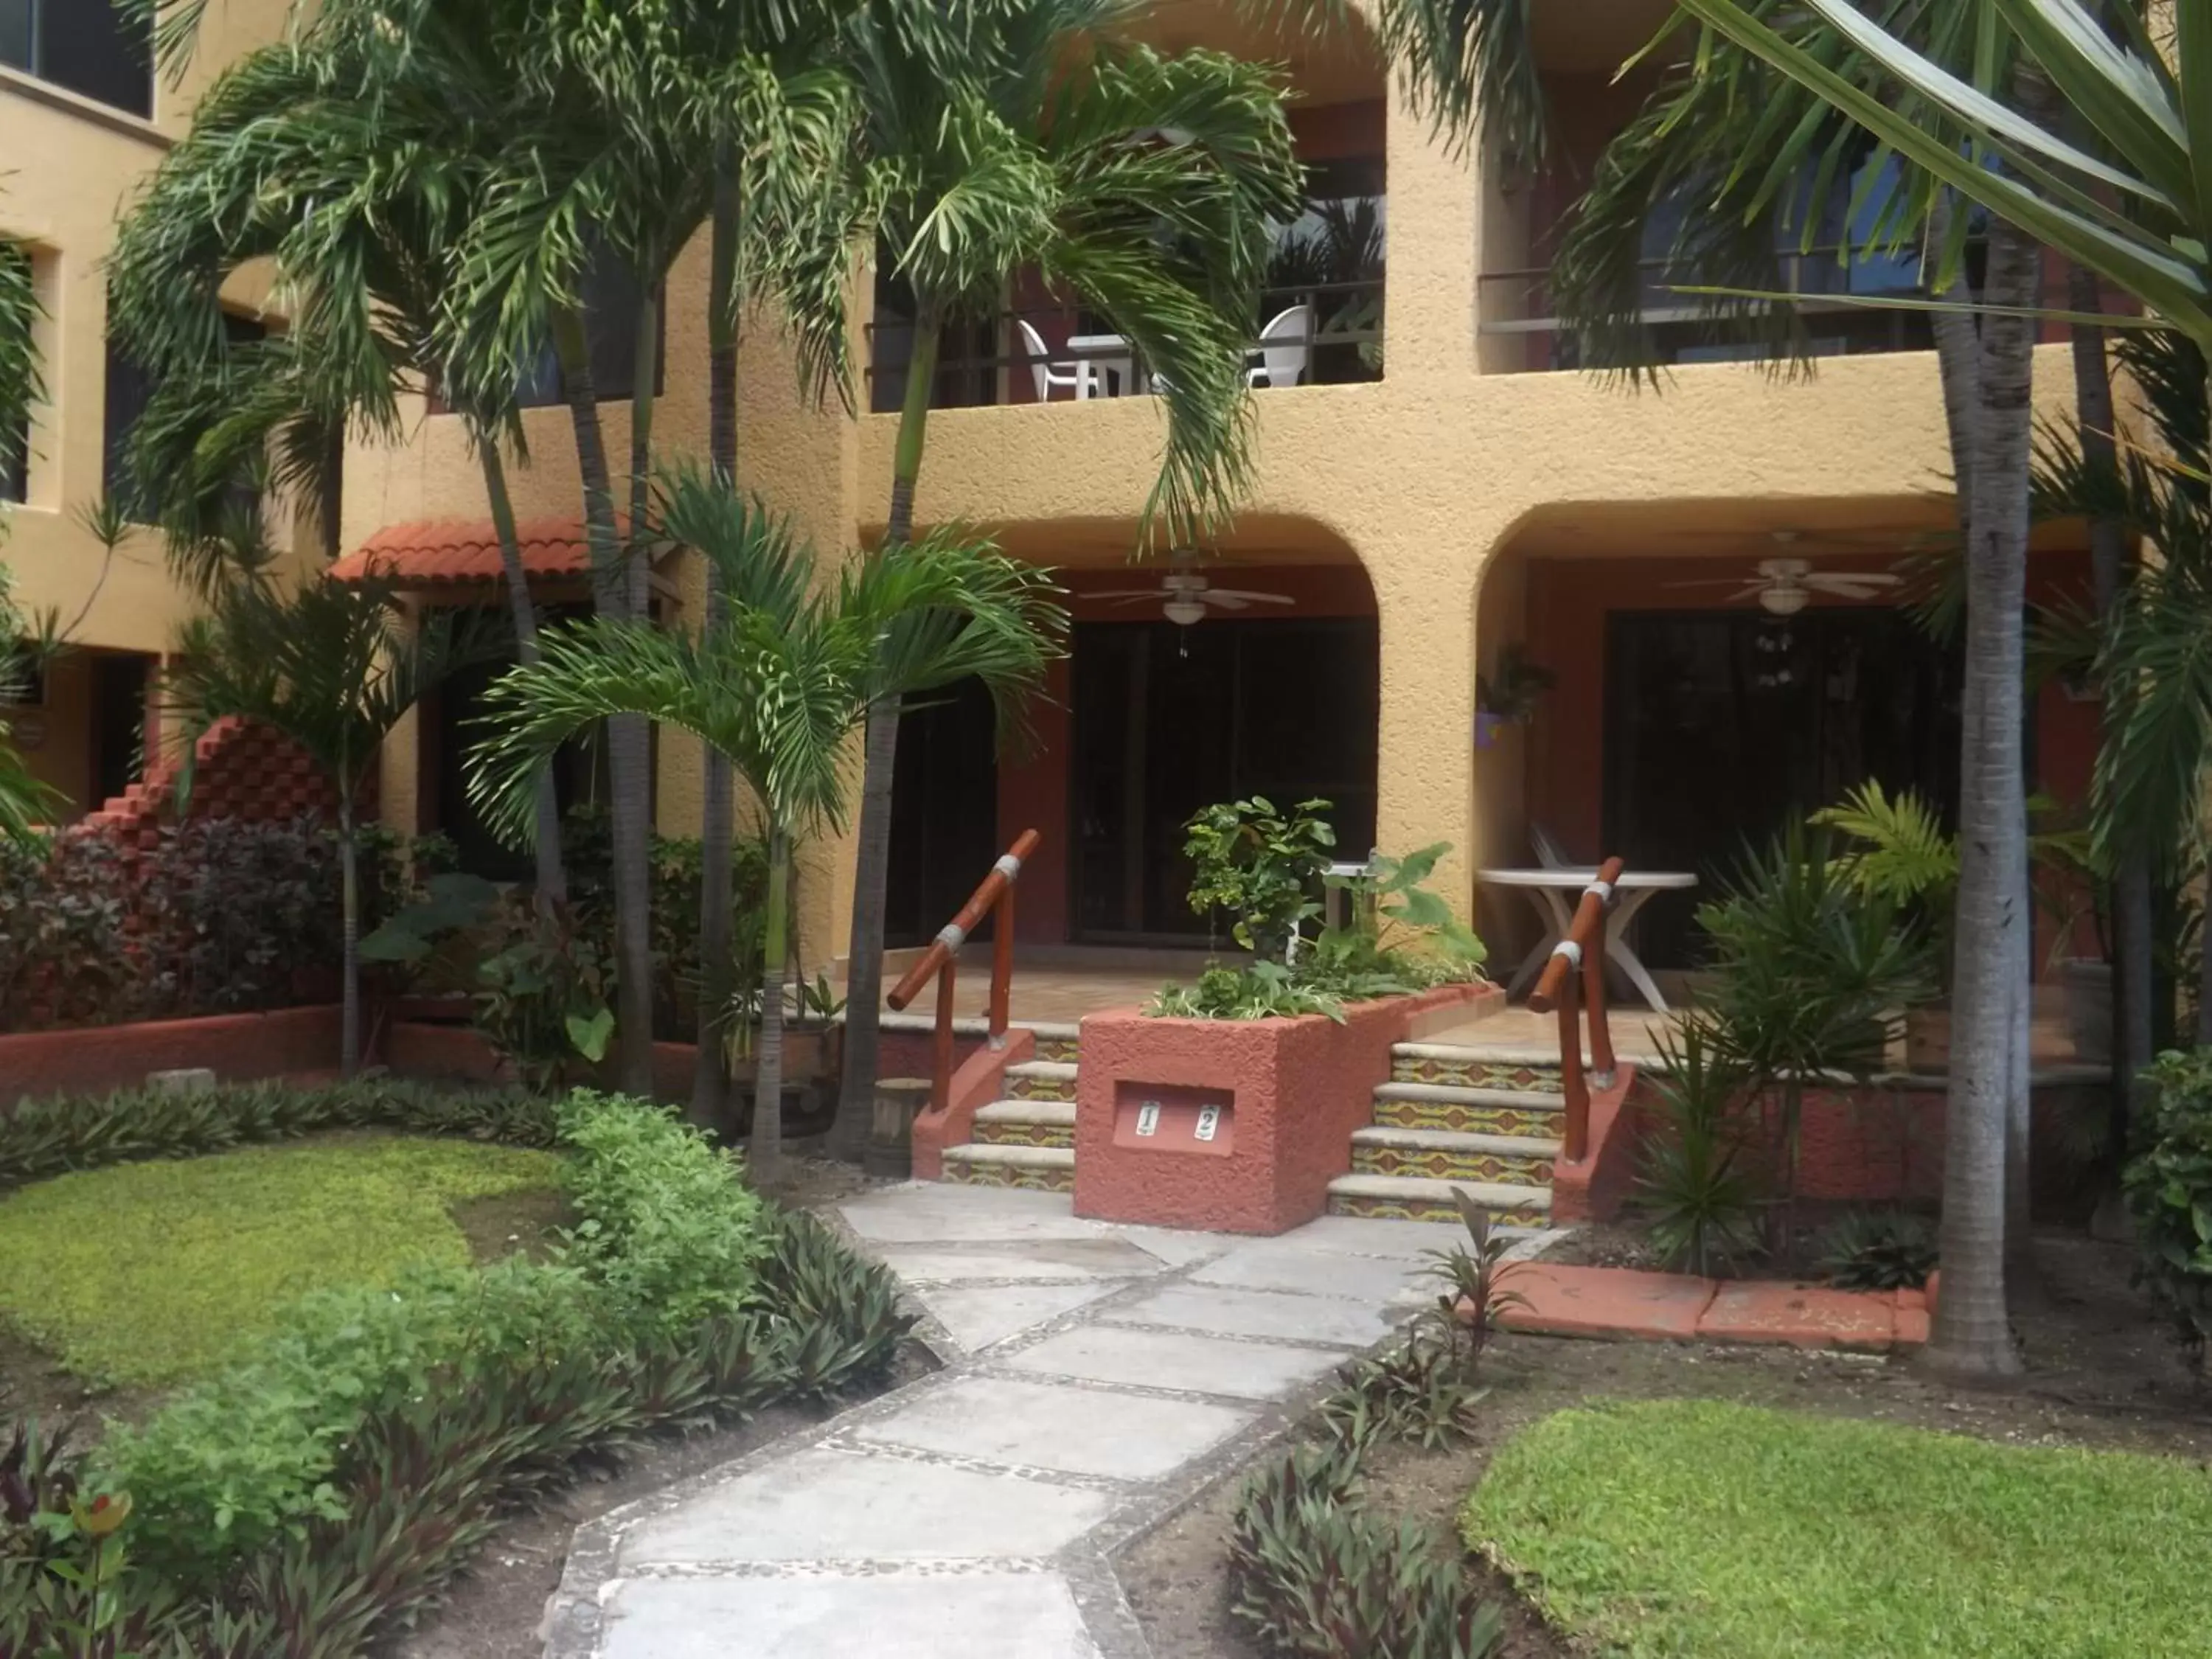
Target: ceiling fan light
1784, 600
1184, 613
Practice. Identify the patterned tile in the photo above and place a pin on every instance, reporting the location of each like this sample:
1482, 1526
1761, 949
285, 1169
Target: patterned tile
1024, 1134
1476, 1073
1423, 1209
1010, 1174
1019, 1087
1504, 1170
1464, 1119
1059, 1050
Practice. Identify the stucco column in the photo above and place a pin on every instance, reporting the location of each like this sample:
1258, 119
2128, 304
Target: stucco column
1426, 724
1428, 310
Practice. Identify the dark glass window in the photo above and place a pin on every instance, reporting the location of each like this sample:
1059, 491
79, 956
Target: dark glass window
129, 389
613, 294
87, 46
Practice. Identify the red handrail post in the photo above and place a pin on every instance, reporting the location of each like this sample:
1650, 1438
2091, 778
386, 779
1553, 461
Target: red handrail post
940, 1071
1579, 959
1576, 1136
1002, 965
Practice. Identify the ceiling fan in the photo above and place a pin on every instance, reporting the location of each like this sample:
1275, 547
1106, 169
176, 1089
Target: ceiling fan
1186, 597
1785, 586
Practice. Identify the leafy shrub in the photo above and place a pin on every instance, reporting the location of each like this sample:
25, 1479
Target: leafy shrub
1264, 868
1312, 1573
843, 1308
1476, 1290
43, 1138
1699, 1185
2169, 1193
1417, 1393
1889, 1250
1265, 990
544, 993
669, 1225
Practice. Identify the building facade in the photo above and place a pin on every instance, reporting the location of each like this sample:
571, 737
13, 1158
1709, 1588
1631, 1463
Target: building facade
84, 115
1438, 497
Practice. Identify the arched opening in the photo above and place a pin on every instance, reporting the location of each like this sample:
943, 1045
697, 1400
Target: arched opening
1177, 692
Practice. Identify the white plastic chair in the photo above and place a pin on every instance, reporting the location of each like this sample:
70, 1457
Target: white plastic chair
1285, 348
1549, 851
1080, 378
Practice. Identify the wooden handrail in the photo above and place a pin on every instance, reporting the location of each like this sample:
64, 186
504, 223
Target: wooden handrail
1579, 959
996, 898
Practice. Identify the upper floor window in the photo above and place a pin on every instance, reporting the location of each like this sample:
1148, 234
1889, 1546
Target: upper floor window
89, 46
129, 390
611, 296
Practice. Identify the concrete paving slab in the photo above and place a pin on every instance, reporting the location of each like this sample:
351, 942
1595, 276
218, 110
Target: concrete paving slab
1617, 1302
1174, 1248
976, 1315
998, 1615
1060, 1427
930, 1212
1175, 1359
1282, 1265
1256, 1313
828, 1505
1032, 1259
1367, 1235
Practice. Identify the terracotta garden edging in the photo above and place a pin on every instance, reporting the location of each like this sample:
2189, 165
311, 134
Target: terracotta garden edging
1235, 1126
1626, 1303
237, 1047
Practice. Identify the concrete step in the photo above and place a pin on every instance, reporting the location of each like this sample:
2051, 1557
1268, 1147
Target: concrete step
1026, 1123
1040, 1079
1040, 1169
1406, 1198
1524, 1070
1447, 1155
1462, 1110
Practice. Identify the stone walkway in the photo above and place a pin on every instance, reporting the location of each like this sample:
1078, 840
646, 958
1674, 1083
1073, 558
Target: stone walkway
1097, 1378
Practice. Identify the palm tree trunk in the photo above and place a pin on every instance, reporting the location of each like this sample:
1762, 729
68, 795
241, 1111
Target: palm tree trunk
552, 879
717, 809
1972, 1335
864, 976
350, 936
2108, 564
768, 1087
629, 736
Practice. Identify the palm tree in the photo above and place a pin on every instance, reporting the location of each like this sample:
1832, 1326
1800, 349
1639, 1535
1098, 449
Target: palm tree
333, 667
25, 802
283, 164
1148, 187
779, 683
2129, 210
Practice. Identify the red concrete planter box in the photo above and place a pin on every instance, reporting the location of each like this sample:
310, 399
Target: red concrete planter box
237, 1047
1234, 1126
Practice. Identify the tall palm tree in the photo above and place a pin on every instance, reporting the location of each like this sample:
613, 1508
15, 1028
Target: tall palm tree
357, 210
1148, 187
25, 802
334, 668
779, 683
2126, 204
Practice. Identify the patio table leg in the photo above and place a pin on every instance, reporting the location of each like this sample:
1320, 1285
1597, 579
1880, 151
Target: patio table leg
1617, 953
1552, 910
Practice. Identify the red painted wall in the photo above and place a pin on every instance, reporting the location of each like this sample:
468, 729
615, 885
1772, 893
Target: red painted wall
237, 1047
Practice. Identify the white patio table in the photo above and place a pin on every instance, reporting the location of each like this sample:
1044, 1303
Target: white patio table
1555, 893
1110, 355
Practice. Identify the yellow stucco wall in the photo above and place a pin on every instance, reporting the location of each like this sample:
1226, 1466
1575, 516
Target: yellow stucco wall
1429, 477
67, 169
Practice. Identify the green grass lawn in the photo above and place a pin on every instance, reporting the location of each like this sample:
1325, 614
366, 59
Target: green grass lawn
1695, 1528
144, 1274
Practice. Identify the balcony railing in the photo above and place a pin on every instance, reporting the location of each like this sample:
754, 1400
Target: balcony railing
1522, 334
1324, 333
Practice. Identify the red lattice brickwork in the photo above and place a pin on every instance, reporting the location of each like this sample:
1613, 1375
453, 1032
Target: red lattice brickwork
246, 771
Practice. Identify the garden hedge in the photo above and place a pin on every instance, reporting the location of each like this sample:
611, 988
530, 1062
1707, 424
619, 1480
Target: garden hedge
316, 1495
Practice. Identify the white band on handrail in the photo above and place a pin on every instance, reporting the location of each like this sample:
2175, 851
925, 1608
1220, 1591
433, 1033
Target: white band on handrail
951, 936
1008, 865
1602, 889
1570, 950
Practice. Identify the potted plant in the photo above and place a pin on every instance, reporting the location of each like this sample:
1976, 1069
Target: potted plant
1508, 695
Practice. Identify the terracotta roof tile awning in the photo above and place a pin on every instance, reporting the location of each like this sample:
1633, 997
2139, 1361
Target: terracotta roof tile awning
463, 550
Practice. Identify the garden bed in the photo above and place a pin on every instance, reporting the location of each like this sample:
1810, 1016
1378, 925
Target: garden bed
2103, 1374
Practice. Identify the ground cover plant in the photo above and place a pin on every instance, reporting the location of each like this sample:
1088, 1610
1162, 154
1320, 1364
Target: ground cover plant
1696, 1527
148, 1273
314, 1494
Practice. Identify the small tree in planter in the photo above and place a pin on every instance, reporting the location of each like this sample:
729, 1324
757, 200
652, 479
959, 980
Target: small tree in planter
333, 667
